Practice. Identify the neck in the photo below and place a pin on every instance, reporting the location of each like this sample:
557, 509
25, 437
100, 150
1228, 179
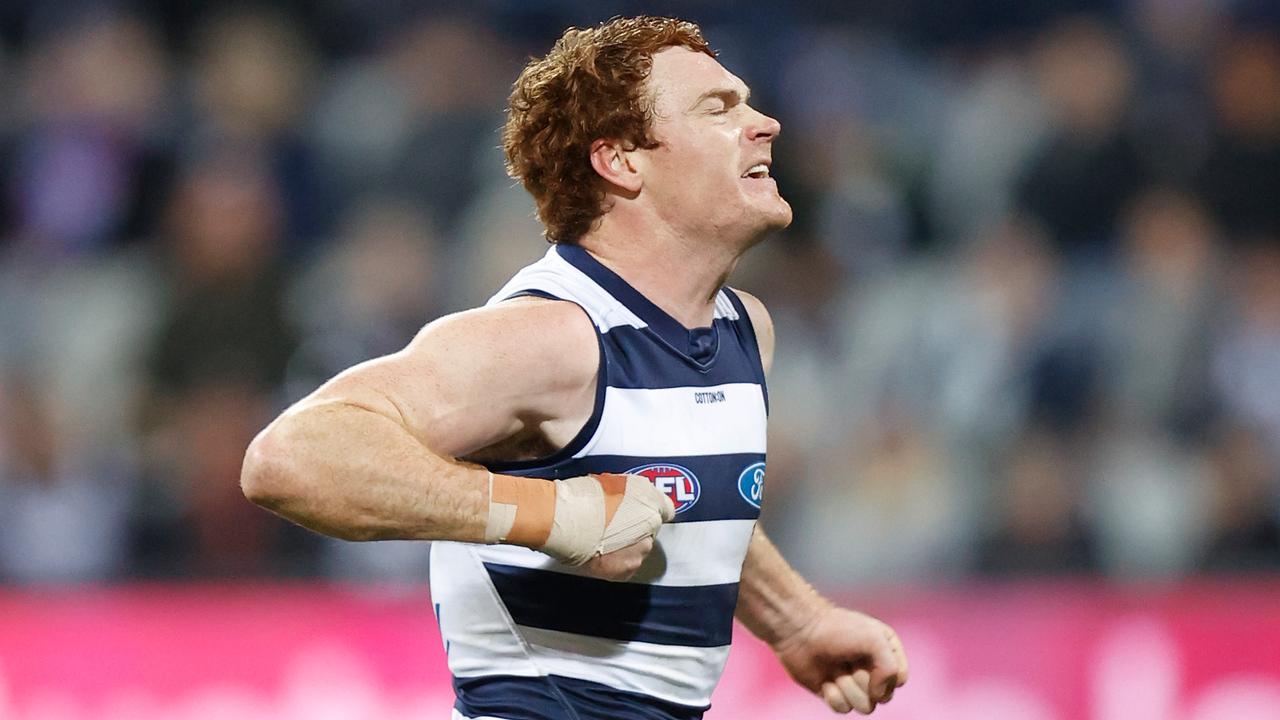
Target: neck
679, 274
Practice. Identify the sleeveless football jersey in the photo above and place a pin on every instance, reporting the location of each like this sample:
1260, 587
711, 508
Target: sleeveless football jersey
528, 638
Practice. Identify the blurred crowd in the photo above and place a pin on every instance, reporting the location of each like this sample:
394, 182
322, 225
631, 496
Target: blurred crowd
1028, 315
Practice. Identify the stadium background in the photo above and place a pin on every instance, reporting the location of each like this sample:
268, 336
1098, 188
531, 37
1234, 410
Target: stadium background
1026, 402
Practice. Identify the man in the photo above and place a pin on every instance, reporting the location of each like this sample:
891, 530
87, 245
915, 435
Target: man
598, 595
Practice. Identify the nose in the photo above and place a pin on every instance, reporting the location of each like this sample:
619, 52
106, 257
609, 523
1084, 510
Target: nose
762, 127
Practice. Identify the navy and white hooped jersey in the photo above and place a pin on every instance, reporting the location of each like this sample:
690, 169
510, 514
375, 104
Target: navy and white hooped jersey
528, 638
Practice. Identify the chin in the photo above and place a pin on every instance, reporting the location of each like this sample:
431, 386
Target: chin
778, 216
774, 219
783, 217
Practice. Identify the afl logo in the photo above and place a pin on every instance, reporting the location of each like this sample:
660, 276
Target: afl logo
751, 484
677, 482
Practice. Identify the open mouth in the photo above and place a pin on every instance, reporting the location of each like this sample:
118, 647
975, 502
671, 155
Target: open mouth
759, 171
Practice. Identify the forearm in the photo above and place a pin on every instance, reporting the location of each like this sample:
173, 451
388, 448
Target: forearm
345, 470
774, 601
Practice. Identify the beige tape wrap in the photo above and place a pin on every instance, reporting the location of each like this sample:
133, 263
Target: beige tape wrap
521, 510
587, 516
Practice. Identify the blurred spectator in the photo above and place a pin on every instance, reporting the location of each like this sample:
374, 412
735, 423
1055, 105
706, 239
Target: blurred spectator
1241, 178
458, 76
1244, 505
62, 516
77, 330
1088, 167
421, 119
496, 235
887, 505
198, 524
1157, 327
89, 159
1246, 374
368, 295
224, 314
253, 79
1148, 499
954, 342
1039, 523
994, 120
861, 105
1173, 43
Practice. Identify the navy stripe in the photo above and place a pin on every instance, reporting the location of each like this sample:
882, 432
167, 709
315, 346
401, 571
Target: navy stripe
717, 476
696, 616
639, 359
584, 435
555, 697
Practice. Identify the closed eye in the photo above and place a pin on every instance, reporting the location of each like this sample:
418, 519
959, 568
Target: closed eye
719, 101
717, 106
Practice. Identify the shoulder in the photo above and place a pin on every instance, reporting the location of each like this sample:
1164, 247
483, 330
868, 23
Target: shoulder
762, 323
535, 333
479, 377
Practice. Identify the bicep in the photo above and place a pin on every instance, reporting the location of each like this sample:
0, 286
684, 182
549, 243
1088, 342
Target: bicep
473, 379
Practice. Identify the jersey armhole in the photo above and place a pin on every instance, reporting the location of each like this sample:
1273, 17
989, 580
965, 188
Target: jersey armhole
753, 343
588, 430
538, 294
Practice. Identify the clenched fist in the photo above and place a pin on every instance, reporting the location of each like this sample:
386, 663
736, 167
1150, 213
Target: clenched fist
852, 660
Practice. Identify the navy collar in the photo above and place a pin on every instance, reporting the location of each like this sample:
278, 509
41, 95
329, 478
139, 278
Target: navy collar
698, 344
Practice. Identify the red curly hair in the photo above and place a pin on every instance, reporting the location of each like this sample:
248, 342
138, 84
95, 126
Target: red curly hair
590, 86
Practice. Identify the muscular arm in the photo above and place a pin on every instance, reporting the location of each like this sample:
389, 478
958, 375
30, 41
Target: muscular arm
373, 453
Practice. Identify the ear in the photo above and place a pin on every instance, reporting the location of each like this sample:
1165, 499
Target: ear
612, 162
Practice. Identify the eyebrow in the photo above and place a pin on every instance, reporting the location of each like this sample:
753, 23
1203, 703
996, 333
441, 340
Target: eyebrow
724, 93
